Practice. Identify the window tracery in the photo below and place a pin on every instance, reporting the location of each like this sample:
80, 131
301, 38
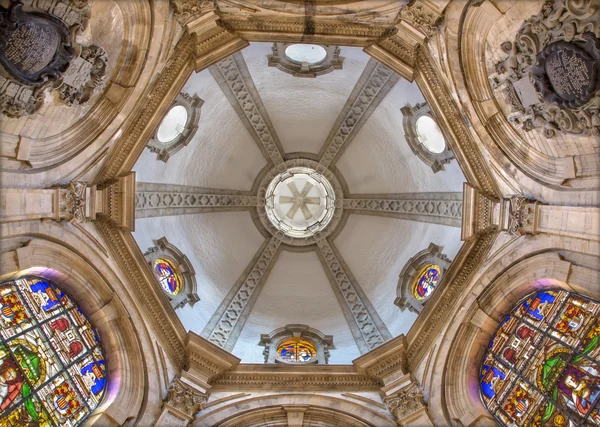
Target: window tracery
173, 272
296, 344
52, 369
420, 277
305, 60
541, 366
424, 136
177, 128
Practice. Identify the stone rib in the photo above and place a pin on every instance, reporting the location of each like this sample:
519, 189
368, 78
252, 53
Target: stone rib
226, 324
235, 81
366, 326
152, 200
372, 86
435, 208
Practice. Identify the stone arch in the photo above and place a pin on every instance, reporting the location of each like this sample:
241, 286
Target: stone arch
329, 410
460, 377
125, 391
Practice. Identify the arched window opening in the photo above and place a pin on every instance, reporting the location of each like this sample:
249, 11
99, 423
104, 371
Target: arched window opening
430, 135
172, 125
541, 367
308, 53
52, 369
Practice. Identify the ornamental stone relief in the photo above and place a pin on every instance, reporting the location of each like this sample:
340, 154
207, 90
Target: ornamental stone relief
551, 76
39, 52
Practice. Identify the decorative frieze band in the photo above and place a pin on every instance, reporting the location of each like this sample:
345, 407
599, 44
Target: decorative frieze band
228, 321
153, 200
374, 84
436, 208
234, 79
364, 322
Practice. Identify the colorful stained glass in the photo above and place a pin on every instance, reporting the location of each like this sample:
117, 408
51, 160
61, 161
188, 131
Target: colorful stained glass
541, 366
426, 280
52, 369
296, 350
168, 276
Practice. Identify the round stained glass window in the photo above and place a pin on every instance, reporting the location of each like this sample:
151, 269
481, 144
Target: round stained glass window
426, 280
306, 53
296, 350
168, 276
52, 369
172, 125
430, 135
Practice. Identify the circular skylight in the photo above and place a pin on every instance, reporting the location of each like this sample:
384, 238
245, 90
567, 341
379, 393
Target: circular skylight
173, 124
300, 202
309, 53
430, 135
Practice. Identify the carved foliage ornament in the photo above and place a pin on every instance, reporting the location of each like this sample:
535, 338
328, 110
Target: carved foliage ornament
188, 10
38, 51
522, 216
406, 402
72, 201
185, 399
552, 72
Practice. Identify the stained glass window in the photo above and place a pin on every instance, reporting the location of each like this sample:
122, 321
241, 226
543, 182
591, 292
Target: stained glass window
296, 350
426, 280
168, 276
541, 367
52, 369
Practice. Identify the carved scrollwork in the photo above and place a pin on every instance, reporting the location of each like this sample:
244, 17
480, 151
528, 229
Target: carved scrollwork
422, 16
406, 402
522, 216
552, 72
187, 10
72, 202
185, 398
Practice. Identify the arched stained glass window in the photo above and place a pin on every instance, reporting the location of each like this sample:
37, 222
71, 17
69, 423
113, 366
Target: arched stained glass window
296, 350
52, 369
425, 281
168, 276
541, 367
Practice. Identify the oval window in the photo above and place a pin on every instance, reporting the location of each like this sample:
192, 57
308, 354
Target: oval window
168, 276
430, 135
309, 53
173, 124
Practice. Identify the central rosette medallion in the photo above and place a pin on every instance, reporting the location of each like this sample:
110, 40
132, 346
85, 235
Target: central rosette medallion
300, 202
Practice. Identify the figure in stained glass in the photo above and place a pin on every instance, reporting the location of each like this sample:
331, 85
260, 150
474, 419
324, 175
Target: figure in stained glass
540, 368
51, 367
426, 281
296, 350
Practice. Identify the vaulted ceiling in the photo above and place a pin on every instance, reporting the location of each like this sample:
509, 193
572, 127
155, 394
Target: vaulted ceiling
225, 155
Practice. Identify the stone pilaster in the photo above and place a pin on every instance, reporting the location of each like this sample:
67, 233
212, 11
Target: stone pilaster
481, 213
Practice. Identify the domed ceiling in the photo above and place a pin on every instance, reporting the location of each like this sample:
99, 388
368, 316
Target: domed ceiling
256, 123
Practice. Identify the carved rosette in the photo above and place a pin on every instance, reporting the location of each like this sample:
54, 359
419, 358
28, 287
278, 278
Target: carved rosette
184, 398
72, 201
523, 216
551, 76
406, 402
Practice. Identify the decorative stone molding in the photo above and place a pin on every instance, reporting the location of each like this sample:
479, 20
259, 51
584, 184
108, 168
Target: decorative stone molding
188, 293
261, 202
323, 343
72, 202
234, 79
164, 150
184, 400
436, 208
115, 201
386, 363
226, 324
481, 213
332, 61
423, 15
406, 298
543, 92
523, 216
26, 75
152, 200
406, 404
187, 11
372, 86
367, 328
410, 116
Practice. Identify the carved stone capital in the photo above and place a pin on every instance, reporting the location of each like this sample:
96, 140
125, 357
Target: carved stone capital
423, 16
406, 403
184, 399
72, 202
187, 11
522, 216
